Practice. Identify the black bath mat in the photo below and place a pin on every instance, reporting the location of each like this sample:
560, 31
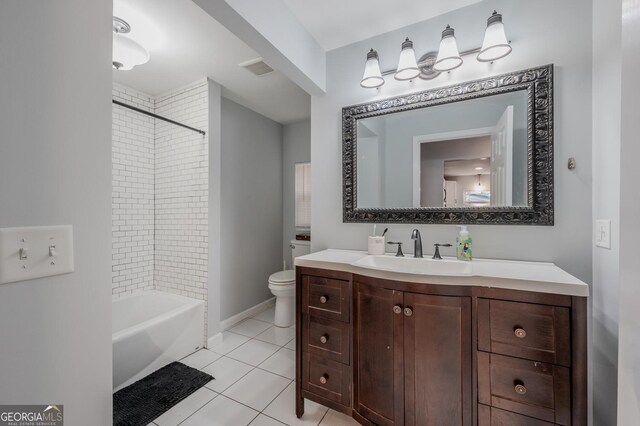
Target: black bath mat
141, 402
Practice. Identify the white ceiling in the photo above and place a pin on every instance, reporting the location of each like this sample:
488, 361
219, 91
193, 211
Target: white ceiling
186, 44
336, 23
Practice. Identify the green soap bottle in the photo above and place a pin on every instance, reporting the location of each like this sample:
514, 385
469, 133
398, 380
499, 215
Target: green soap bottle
464, 244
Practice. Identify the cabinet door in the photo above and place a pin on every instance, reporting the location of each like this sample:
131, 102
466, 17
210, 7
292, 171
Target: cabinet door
437, 360
378, 370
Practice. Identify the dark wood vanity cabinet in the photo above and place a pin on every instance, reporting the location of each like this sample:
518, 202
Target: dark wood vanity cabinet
397, 353
412, 357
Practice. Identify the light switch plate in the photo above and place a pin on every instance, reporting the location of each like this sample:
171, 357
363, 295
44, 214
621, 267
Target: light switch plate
35, 252
603, 233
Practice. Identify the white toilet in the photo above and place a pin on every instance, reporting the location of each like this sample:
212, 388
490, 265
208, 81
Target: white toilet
283, 286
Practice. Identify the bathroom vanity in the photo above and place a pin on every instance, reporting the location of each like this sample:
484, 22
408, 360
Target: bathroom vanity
403, 341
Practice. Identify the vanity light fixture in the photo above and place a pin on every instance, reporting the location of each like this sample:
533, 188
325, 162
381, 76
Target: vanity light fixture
372, 77
495, 45
126, 52
407, 65
448, 55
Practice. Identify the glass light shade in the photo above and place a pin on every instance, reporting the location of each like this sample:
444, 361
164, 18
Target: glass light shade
495, 44
407, 65
127, 53
448, 54
372, 76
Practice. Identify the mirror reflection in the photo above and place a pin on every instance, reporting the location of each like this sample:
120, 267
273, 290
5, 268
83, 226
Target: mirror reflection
470, 153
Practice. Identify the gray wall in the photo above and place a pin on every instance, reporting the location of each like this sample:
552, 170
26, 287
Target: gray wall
607, 21
296, 148
629, 348
251, 207
536, 36
55, 169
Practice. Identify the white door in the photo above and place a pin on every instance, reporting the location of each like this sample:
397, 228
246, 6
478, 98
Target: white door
502, 160
450, 193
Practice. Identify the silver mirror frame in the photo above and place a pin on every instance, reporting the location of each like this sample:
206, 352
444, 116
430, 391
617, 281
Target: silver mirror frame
538, 82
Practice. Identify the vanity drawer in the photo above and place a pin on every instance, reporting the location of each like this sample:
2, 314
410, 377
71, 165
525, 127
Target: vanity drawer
326, 297
491, 416
326, 378
326, 338
530, 388
525, 330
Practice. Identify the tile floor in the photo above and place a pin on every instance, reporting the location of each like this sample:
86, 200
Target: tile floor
254, 370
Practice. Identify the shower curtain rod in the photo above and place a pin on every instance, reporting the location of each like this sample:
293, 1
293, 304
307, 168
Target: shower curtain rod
159, 117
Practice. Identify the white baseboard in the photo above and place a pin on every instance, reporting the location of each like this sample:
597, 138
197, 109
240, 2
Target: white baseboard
214, 340
231, 321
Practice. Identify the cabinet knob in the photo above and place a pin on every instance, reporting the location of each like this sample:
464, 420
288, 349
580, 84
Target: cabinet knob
520, 389
323, 299
397, 309
520, 333
323, 379
324, 338
408, 311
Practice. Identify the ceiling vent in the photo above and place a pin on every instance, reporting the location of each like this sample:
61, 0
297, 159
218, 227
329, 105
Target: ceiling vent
257, 66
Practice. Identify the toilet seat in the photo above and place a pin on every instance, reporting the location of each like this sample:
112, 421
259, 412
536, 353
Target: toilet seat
283, 278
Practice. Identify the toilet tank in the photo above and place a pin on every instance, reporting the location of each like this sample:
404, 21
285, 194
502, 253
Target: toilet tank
300, 248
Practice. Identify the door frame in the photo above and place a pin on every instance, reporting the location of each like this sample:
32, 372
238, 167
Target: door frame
437, 137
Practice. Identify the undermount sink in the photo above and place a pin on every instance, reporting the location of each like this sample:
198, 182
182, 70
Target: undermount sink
411, 265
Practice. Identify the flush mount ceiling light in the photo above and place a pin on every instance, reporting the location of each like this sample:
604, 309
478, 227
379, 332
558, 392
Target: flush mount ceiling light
448, 55
407, 65
372, 77
448, 58
126, 52
495, 45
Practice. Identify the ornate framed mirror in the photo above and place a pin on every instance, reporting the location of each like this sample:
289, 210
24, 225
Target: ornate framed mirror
479, 152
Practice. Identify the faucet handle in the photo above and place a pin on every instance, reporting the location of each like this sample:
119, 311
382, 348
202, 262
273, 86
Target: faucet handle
436, 254
399, 253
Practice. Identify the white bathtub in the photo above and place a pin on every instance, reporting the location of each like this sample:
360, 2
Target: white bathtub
152, 329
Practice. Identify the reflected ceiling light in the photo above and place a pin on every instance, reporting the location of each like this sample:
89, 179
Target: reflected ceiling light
479, 168
407, 65
126, 52
372, 77
495, 45
448, 55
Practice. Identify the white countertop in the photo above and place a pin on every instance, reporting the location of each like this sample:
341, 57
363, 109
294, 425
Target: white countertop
515, 275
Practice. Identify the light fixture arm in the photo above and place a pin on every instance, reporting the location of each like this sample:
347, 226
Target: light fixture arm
495, 46
426, 64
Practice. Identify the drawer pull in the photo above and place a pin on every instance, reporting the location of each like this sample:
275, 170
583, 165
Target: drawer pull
324, 338
408, 312
323, 379
520, 333
520, 389
397, 309
323, 299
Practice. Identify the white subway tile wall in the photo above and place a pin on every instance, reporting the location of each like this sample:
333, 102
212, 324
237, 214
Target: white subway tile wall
160, 193
132, 193
182, 195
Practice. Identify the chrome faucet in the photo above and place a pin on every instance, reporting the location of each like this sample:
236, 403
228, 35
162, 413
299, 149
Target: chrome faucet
417, 243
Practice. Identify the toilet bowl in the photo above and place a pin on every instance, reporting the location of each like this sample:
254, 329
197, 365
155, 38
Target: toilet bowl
283, 286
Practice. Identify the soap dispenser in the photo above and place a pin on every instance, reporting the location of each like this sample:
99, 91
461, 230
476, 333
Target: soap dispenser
464, 244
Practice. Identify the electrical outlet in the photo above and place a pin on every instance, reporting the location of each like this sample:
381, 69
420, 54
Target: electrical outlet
603, 233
